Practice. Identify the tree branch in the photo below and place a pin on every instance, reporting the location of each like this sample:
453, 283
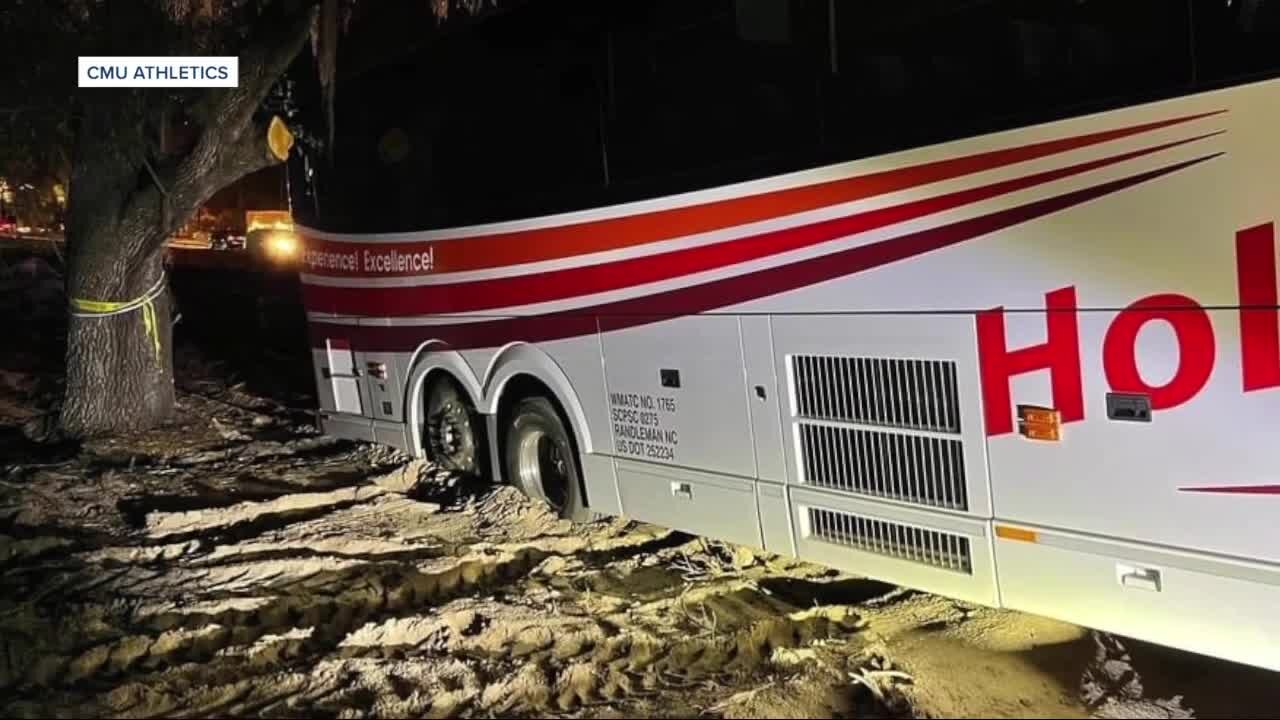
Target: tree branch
261, 65
248, 154
231, 143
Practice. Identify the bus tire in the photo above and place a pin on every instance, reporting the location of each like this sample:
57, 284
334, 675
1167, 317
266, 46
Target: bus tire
541, 460
453, 429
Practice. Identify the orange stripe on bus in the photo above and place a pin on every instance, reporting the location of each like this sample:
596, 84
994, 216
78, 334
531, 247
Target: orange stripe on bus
1013, 533
551, 243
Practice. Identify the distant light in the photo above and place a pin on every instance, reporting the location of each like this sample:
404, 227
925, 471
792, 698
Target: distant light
268, 220
282, 244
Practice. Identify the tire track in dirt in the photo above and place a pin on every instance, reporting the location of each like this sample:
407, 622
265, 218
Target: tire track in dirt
363, 592
200, 616
500, 666
256, 595
247, 520
366, 602
589, 666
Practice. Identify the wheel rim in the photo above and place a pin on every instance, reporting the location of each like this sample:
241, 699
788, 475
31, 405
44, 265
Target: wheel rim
543, 465
451, 434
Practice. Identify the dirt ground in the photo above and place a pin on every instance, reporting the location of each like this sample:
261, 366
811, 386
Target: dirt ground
240, 564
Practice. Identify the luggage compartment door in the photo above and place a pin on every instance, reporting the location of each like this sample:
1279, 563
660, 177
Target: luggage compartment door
343, 376
677, 393
381, 375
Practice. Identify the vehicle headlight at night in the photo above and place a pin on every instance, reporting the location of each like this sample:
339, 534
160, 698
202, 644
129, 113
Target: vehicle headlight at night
282, 245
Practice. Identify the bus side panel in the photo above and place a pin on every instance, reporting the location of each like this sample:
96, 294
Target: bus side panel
677, 399
884, 406
1199, 470
886, 457
946, 554
1192, 601
766, 403
327, 397
767, 406
711, 504
383, 373
677, 393
341, 395
479, 360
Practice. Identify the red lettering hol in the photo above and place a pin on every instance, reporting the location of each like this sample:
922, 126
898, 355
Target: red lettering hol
1194, 334
1259, 289
1259, 326
1059, 354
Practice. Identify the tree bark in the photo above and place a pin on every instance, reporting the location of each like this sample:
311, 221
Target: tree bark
116, 380
126, 198
115, 246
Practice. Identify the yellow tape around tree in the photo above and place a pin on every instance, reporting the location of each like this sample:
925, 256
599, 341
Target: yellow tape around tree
85, 308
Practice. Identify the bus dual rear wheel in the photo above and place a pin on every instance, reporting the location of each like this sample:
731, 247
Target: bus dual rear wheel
541, 459
452, 429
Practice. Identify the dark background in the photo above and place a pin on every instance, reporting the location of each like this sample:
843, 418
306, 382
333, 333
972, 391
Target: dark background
543, 106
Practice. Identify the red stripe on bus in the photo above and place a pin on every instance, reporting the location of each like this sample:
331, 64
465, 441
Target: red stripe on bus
573, 282
720, 293
1236, 489
561, 241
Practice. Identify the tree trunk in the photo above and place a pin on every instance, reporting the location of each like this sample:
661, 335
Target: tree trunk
116, 381
126, 197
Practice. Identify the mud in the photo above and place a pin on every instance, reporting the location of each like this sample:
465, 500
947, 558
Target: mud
239, 564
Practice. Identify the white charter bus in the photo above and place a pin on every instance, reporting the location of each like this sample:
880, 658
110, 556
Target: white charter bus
973, 297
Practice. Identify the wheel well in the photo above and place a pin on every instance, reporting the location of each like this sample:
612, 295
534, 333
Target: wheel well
520, 387
428, 381
443, 375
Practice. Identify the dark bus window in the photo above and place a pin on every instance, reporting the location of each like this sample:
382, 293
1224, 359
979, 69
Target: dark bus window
924, 70
550, 106
521, 126
382, 173
1236, 40
707, 86
500, 119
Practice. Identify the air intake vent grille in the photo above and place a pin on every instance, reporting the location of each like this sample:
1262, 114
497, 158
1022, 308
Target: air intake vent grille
919, 469
916, 394
904, 542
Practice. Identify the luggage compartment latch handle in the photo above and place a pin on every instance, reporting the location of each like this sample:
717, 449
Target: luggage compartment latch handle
1139, 578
